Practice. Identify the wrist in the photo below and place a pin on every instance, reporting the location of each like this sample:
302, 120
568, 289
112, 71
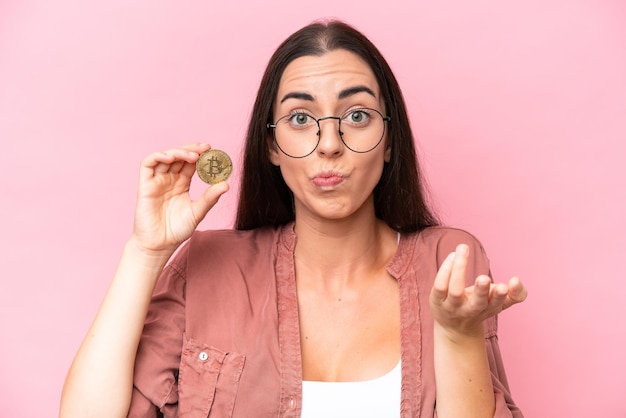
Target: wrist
150, 256
460, 336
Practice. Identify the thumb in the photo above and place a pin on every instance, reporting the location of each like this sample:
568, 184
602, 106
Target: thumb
203, 204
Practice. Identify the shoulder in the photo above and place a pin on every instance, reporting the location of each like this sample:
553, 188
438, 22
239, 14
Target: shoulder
225, 244
446, 239
229, 237
435, 243
229, 243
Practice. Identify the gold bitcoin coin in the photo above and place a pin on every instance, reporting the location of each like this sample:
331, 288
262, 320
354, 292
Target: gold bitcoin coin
214, 166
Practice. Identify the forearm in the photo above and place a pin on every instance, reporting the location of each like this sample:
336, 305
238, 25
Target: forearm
463, 378
99, 382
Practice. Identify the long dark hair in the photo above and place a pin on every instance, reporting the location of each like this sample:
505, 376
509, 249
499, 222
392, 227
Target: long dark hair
399, 196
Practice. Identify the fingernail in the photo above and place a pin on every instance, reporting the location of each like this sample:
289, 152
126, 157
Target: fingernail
462, 249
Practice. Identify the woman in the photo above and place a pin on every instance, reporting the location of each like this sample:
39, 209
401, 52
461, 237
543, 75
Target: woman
337, 282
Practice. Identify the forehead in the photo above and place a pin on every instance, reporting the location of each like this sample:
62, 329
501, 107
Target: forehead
327, 74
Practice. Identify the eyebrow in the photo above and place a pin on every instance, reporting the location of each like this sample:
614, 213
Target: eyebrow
354, 90
297, 95
342, 95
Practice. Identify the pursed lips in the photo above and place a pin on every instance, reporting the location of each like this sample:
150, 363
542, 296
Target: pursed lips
327, 179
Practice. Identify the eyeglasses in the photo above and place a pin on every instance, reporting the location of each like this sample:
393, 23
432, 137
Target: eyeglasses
298, 134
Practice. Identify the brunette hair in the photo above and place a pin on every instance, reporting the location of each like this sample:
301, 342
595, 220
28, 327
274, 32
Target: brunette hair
399, 196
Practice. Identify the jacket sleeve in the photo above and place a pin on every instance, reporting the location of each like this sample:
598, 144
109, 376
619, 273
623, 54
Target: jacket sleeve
155, 386
479, 264
505, 406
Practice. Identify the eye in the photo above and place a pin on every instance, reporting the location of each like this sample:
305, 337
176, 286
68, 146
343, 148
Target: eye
300, 119
358, 116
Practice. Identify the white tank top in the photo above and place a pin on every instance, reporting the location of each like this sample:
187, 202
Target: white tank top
376, 398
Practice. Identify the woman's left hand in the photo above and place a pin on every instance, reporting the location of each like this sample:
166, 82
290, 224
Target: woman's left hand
461, 310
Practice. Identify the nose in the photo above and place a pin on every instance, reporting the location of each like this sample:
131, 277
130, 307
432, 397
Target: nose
330, 142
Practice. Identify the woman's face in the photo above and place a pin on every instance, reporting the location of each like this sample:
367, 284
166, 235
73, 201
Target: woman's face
332, 182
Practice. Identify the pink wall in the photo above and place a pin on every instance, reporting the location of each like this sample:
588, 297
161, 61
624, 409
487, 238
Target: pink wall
520, 111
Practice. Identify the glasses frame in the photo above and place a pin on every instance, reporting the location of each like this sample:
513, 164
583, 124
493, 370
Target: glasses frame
319, 130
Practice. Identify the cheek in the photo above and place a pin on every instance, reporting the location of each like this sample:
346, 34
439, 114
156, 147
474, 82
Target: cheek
290, 174
371, 170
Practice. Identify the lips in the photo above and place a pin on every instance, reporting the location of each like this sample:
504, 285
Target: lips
327, 179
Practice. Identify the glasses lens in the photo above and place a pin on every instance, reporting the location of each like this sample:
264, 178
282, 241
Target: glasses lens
362, 129
298, 134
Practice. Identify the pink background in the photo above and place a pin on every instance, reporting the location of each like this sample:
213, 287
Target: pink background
520, 112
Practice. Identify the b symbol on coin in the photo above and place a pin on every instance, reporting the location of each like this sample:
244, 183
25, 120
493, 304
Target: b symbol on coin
214, 166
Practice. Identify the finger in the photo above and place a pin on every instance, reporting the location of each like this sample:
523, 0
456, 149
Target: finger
456, 288
479, 299
166, 157
188, 169
162, 161
156, 158
197, 147
188, 153
162, 168
208, 199
186, 164
177, 166
498, 294
517, 293
440, 286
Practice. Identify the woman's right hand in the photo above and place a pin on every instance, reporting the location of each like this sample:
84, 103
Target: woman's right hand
165, 215
100, 380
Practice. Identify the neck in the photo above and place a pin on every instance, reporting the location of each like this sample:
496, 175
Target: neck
342, 252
